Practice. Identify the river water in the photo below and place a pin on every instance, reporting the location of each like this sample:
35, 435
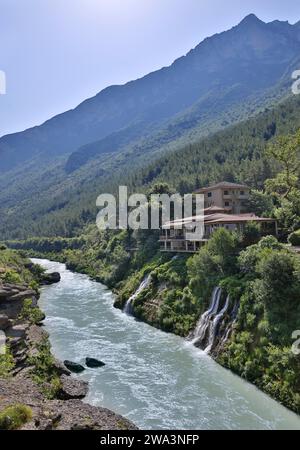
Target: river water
155, 379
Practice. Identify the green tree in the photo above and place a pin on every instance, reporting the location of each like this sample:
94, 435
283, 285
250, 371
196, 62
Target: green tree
259, 203
252, 233
224, 246
286, 151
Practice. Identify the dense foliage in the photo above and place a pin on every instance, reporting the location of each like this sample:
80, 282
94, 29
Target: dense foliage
62, 206
260, 349
261, 275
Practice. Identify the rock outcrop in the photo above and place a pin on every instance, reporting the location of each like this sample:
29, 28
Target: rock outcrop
65, 410
57, 414
74, 367
94, 363
72, 388
50, 278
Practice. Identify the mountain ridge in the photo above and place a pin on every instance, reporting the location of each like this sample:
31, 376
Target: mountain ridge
51, 168
150, 100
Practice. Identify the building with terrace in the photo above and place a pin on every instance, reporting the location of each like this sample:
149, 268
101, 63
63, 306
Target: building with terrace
231, 197
175, 236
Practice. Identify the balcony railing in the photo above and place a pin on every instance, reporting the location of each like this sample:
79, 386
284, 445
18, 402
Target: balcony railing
181, 238
172, 238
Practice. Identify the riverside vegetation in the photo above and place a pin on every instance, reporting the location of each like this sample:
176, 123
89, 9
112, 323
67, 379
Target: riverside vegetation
51, 175
36, 390
261, 275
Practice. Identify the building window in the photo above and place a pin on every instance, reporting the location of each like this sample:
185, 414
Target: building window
226, 193
209, 194
227, 204
242, 193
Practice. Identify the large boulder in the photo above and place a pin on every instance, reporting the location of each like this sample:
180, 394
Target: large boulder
6, 292
94, 363
22, 295
18, 331
50, 278
61, 368
18, 287
74, 367
3, 293
71, 388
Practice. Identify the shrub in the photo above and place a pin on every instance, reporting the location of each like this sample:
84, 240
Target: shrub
33, 314
44, 372
6, 364
11, 276
259, 203
15, 416
250, 257
251, 234
294, 238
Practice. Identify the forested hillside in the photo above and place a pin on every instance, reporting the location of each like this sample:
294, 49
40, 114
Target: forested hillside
235, 154
50, 175
260, 278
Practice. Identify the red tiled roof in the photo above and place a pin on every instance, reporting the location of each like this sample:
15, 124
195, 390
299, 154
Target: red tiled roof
217, 218
223, 184
235, 218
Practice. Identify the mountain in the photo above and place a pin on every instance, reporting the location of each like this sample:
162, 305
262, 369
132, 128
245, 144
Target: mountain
227, 78
229, 67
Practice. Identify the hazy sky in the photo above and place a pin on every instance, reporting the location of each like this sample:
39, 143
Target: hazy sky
56, 53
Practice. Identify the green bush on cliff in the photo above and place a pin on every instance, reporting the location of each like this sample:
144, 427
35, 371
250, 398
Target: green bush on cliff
260, 348
167, 302
15, 268
44, 372
6, 363
13, 417
249, 258
178, 311
214, 262
30, 313
294, 238
281, 376
11, 276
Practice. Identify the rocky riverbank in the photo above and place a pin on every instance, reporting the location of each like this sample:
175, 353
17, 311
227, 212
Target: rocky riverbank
32, 383
262, 280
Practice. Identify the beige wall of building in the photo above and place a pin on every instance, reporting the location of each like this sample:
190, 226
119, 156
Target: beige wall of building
229, 197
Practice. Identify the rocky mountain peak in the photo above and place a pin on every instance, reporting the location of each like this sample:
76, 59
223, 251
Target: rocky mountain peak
251, 19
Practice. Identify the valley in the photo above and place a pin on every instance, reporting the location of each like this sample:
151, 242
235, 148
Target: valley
196, 335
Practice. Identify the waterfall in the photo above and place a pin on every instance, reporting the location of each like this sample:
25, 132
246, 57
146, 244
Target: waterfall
214, 326
144, 284
227, 333
235, 311
204, 322
233, 319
